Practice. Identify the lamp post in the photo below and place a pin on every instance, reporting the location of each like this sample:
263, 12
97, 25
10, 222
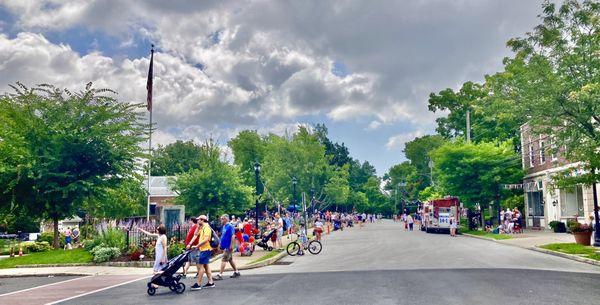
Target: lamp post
257, 176
596, 212
401, 184
294, 182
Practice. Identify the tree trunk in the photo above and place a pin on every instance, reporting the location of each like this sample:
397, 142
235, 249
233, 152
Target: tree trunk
56, 243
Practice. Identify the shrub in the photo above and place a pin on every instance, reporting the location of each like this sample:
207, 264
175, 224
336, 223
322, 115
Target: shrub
576, 227
175, 249
41, 246
49, 238
90, 244
111, 237
103, 253
134, 253
553, 224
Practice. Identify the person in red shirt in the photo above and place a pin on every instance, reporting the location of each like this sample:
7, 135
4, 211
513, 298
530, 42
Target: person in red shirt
193, 257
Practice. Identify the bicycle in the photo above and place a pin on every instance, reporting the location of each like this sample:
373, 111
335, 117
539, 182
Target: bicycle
294, 248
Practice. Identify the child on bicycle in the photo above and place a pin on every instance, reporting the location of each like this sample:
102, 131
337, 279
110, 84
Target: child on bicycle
302, 238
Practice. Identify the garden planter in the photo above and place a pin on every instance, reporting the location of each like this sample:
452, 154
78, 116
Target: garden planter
583, 238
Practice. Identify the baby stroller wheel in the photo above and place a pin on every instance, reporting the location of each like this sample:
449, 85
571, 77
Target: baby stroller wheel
180, 288
173, 288
270, 248
151, 290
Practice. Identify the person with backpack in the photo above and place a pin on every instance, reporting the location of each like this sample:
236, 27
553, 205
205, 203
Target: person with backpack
204, 234
227, 247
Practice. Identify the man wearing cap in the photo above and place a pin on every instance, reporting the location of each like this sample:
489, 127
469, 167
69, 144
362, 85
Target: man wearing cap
227, 247
195, 254
203, 234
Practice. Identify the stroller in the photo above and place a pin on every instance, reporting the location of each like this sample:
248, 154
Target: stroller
263, 243
167, 277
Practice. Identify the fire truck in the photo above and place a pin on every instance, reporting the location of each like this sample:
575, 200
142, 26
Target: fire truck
436, 214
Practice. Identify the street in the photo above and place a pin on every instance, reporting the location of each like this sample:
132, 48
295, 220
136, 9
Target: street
383, 264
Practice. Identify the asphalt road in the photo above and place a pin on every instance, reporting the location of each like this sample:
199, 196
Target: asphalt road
383, 264
8, 285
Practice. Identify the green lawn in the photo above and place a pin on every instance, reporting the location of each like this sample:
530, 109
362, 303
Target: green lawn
488, 235
573, 248
48, 257
265, 257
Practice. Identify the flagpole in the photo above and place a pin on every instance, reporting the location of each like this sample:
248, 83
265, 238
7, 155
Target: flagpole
150, 108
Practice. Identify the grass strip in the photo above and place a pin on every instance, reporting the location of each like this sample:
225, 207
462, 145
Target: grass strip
265, 257
489, 235
75, 256
575, 249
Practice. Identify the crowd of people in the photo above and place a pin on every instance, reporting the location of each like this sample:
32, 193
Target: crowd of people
237, 235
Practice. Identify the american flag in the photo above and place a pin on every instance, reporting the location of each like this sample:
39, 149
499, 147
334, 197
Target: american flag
149, 83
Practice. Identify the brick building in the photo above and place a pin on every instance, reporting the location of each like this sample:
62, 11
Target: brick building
162, 206
543, 202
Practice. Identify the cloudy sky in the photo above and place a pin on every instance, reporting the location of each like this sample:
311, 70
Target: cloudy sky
364, 68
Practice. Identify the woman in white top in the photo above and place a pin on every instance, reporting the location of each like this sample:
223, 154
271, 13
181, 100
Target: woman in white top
453, 226
160, 250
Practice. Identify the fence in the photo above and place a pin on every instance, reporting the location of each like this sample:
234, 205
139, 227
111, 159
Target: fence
136, 237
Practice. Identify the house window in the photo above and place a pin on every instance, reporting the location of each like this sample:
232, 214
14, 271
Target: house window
531, 156
542, 153
571, 201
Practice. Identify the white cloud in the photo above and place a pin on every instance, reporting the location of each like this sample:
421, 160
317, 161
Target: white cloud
398, 141
267, 65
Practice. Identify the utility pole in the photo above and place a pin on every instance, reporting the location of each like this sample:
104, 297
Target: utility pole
257, 177
431, 172
596, 212
468, 125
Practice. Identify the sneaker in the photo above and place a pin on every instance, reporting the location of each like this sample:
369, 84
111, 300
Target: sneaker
195, 287
209, 285
235, 274
217, 277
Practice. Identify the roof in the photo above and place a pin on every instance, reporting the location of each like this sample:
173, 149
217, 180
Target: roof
159, 186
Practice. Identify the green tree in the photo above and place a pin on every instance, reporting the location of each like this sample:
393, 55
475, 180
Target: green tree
456, 104
247, 147
337, 188
175, 158
556, 74
217, 187
475, 172
128, 198
301, 156
67, 148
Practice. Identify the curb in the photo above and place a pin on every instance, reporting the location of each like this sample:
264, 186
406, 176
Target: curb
565, 255
143, 264
6, 276
265, 262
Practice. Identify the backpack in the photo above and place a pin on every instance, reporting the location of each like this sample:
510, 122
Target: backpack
285, 225
215, 241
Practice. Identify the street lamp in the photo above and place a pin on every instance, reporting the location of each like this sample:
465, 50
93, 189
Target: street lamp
257, 176
294, 182
401, 184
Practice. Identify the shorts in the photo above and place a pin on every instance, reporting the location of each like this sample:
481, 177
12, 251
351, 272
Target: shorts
227, 255
68, 239
279, 233
194, 256
204, 258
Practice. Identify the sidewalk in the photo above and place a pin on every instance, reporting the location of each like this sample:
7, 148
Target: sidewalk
242, 262
533, 238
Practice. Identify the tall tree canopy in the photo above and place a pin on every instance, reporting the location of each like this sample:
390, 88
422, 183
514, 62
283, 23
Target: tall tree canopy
216, 187
64, 148
475, 172
556, 74
175, 158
